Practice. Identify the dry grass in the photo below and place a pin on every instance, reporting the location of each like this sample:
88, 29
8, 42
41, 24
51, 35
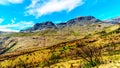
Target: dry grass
82, 52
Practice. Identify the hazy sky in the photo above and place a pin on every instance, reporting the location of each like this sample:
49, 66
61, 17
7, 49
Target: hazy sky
19, 14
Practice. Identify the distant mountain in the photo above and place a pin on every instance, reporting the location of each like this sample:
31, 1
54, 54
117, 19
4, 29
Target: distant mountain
40, 26
81, 20
1, 32
114, 20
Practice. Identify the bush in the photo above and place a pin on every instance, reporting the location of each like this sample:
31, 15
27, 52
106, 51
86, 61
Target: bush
91, 54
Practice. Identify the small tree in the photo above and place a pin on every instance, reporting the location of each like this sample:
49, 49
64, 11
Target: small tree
91, 54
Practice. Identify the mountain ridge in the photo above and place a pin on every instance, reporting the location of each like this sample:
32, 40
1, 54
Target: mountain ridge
81, 20
114, 20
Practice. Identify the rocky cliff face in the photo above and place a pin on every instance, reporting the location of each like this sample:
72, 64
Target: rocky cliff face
81, 20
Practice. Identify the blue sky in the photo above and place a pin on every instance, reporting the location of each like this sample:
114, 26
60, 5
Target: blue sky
20, 14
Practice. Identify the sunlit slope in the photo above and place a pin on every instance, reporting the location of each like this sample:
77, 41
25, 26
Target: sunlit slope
49, 37
100, 48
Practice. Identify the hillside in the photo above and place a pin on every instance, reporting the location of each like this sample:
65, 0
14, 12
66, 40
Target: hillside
43, 34
99, 48
46, 37
80, 42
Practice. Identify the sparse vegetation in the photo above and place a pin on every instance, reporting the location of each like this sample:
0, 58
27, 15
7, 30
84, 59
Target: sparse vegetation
93, 50
92, 54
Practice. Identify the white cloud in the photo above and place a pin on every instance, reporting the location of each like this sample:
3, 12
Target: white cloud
15, 1
19, 25
1, 20
39, 7
8, 30
5, 2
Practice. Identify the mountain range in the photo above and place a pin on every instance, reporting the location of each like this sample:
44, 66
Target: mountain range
80, 20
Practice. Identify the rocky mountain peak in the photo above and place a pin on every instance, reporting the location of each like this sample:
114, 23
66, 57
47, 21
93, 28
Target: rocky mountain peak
85, 17
48, 23
40, 26
83, 20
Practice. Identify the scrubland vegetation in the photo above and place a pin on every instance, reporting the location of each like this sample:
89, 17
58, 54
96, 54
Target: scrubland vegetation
95, 50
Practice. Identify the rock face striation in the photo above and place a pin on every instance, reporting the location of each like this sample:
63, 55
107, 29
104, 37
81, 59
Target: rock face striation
81, 20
